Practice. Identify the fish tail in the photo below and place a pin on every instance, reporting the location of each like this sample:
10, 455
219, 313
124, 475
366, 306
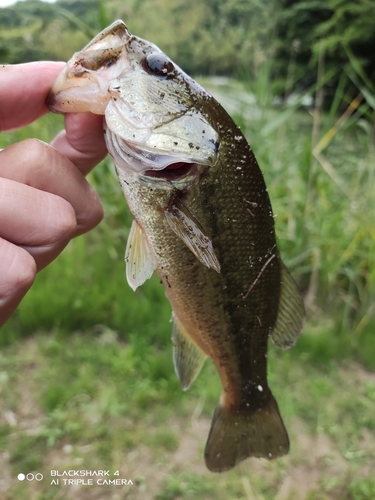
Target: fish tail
236, 435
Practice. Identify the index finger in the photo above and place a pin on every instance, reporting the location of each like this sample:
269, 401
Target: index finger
23, 92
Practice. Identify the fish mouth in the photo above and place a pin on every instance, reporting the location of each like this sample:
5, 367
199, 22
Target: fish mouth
172, 172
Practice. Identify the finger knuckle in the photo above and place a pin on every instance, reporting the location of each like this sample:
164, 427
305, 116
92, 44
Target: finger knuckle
64, 223
90, 218
35, 149
21, 273
40, 156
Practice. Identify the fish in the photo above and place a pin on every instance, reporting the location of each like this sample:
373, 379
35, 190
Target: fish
203, 221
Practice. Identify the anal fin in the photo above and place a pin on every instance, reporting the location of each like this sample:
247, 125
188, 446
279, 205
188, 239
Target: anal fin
188, 358
291, 314
139, 257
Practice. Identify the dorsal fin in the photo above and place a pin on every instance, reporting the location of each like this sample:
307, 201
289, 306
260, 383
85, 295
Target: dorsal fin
188, 228
291, 314
139, 257
188, 358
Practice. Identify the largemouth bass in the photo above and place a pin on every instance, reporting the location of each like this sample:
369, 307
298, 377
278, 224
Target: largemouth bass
203, 220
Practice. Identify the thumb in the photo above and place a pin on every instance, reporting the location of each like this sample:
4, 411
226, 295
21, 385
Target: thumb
82, 141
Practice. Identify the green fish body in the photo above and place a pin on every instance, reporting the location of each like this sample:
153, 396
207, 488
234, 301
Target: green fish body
203, 220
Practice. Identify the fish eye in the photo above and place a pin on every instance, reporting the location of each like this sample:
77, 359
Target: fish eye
159, 65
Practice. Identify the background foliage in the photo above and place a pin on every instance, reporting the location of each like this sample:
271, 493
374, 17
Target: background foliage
324, 160
86, 375
225, 37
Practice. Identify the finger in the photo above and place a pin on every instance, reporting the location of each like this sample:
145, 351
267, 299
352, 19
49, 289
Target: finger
38, 165
82, 141
40, 222
17, 274
23, 92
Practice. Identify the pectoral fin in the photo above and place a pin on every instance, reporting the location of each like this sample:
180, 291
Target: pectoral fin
139, 257
291, 315
187, 227
188, 358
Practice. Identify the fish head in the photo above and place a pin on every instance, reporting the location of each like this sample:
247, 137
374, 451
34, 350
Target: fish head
155, 114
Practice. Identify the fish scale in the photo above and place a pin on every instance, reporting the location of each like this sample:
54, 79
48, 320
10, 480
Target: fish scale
203, 221
236, 274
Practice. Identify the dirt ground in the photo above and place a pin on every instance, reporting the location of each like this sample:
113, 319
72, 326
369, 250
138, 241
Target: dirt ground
315, 469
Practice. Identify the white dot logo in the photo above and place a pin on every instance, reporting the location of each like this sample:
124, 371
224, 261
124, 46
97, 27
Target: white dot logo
30, 476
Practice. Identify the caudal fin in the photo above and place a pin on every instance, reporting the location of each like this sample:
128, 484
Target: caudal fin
235, 436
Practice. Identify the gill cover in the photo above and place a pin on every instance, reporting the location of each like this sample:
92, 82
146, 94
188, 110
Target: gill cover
154, 117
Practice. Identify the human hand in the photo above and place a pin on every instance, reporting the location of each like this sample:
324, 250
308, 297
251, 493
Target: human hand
45, 200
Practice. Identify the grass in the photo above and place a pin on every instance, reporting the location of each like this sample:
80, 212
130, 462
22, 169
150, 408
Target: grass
86, 375
87, 402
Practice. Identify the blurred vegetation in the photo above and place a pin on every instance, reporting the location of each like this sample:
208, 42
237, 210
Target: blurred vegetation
215, 37
100, 386
93, 401
308, 28
321, 183
318, 164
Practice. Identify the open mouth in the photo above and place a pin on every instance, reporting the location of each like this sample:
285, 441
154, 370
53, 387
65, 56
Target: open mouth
173, 172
